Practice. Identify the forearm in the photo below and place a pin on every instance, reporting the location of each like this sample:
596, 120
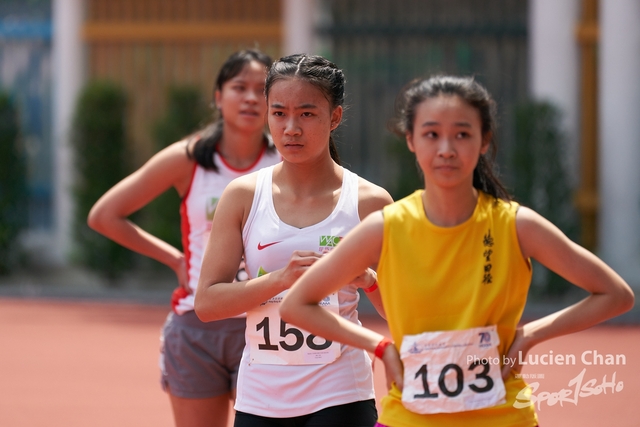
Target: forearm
376, 300
325, 324
609, 295
591, 311
129, 235
215, 301
372, 292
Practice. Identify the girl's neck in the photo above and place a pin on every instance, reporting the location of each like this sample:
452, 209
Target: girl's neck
309, 179
449, 207
240, 149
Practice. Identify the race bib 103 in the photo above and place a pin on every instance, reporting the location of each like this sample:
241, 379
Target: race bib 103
274, 342
452, 371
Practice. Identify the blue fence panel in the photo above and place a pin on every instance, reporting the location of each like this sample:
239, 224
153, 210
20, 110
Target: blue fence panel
25, 72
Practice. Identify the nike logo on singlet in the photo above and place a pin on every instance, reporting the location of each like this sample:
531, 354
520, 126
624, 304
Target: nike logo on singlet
261, 247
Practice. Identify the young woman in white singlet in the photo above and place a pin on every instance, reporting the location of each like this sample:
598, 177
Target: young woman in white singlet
283, 219
199, 361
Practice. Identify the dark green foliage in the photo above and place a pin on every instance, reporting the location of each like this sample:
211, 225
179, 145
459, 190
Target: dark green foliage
13, 189
541, 178
410, 176
99, 140
185, 114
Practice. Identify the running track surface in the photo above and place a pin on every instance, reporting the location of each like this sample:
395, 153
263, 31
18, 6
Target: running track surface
95, 364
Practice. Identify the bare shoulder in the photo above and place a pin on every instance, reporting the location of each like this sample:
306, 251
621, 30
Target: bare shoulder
172, 159
530, 222
537, 235
243, 186
170, 165
371, 197
237, 197
168, 168
177, 152
541, 240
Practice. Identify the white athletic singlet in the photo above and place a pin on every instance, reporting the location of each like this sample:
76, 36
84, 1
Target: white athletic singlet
196, 212
282, 391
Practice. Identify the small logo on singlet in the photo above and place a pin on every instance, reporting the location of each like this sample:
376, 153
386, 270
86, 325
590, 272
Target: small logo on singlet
262, 272
487, 242
266, 245
327, 243
210, 207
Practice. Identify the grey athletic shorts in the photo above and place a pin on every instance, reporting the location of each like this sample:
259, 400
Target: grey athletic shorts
200, 360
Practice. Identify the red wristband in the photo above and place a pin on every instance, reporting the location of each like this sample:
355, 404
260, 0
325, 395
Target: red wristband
371, 288
379, 351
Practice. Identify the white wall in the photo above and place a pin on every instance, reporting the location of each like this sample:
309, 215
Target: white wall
299, 19
554, 64
67, 82
619, 159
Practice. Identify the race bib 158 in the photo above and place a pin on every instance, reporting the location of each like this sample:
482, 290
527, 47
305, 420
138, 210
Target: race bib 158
274, 342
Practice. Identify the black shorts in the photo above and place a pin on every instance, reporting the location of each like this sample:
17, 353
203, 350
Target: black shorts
356, 414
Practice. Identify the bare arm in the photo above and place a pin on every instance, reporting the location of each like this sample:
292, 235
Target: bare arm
372, 198
359, 249
609, 296
218, 296
169, 168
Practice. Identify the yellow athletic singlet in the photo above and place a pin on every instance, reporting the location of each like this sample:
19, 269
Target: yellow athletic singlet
442, 279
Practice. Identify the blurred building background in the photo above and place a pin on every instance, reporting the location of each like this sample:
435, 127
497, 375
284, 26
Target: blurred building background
581, 56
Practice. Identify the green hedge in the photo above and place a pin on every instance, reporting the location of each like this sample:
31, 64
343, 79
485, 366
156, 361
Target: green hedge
185, 113
101, 160
410, 177
13, 188
541, 176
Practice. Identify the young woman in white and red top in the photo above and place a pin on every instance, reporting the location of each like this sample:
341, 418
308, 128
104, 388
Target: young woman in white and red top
282, 219
199, 361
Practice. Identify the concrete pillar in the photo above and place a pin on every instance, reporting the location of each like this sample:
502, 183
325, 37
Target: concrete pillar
67, 81
619, 160
299, 20
553, 64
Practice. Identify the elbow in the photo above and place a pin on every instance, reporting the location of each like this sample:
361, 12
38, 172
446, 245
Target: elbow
626, 299
295, 312
202, 315
95, 219
205, 307
285, 311
202, 311
92, 219
103, 218
621, 300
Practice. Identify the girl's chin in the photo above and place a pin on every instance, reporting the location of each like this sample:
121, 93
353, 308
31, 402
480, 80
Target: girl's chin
245, 125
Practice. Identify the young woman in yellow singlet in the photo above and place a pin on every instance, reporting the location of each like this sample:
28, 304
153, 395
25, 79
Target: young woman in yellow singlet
453, 271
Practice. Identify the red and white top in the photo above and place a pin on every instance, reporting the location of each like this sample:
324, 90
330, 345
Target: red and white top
196, 213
